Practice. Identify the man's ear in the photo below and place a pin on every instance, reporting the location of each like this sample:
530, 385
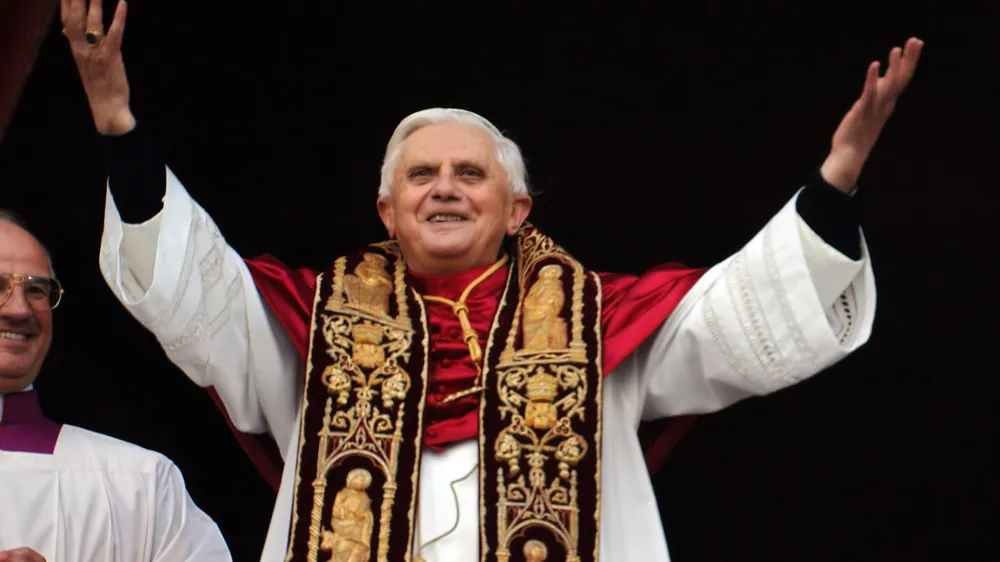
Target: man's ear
388, 215
519, 210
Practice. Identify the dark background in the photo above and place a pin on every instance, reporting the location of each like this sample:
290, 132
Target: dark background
654, 131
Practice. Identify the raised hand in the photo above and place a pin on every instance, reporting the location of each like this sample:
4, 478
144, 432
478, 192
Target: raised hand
20, 555
99, 60
855, 137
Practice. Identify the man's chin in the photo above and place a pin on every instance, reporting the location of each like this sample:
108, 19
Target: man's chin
448, 252
12, 380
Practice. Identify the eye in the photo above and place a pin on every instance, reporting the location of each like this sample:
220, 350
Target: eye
33, 290
470, 172
419, 172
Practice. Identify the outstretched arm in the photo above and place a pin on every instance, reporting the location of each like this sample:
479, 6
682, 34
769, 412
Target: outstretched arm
134, 162
788, 305
167, 262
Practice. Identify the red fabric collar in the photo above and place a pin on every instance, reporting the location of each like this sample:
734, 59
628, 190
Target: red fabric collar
450, 367
451, 286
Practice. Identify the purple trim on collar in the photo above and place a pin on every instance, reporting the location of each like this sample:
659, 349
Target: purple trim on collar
24, 428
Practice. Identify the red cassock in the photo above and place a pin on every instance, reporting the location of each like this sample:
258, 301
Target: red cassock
633, 308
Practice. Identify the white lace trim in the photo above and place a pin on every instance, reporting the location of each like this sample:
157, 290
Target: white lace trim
715, 328
843, 315
752, 317
787, 314
233, 291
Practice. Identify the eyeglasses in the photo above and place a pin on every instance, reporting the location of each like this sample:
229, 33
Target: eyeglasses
42, 293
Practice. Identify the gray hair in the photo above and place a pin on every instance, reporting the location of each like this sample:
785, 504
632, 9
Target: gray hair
10, 217
508, 153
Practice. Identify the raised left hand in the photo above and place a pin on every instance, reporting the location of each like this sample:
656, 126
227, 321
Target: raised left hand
856, 135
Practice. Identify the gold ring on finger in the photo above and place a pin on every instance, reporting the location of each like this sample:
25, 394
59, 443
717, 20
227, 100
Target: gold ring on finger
94, 36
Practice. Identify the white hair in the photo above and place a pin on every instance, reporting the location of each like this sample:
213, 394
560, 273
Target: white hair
508, 153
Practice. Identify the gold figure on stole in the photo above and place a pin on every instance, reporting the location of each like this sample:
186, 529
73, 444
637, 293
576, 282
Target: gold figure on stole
543, 328
542, 389
369, 287
352, 521
535, 551
368, 290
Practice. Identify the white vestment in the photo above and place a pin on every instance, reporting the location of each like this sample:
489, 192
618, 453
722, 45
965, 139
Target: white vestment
784, 307
99, 499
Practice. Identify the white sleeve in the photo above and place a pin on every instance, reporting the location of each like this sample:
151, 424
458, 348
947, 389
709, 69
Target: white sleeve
180, 279
782, 309
181, 531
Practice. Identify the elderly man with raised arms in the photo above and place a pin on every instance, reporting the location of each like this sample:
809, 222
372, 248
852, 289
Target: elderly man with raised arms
467, 389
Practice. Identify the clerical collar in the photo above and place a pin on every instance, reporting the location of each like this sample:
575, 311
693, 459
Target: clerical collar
451, 286
20, 407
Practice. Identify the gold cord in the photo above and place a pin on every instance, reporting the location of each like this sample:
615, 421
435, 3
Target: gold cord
458, 517
461, 310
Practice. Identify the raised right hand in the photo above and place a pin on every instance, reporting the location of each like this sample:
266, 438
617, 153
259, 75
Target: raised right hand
100, 63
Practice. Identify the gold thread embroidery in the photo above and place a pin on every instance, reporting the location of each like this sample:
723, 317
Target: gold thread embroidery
535, 551
369, 287
599, 395
543, 328
366, 347
536, 501
419, 434
302, 422
533, 249
544, 391
484, 548
351, 522
336, 300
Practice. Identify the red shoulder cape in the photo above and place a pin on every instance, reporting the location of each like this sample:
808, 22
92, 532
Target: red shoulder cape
633, 307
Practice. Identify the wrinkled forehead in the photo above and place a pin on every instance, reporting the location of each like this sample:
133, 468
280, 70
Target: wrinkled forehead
449, 143
20, 252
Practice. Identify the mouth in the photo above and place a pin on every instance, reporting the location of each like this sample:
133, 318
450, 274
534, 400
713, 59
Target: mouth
6, 335
446, 218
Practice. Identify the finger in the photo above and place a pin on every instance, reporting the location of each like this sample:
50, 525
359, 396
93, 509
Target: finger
64, 6
95, 16
894, 56
117, 30
871, 81
911, 54
77, 14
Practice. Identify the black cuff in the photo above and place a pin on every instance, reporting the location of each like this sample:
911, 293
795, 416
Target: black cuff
137, 174
832, 214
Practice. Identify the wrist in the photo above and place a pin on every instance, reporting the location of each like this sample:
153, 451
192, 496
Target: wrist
841, 169
114, 123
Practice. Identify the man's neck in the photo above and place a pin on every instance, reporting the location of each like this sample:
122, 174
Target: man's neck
446, 267
25, 389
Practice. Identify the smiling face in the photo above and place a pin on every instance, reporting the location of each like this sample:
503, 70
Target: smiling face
25, 333
451, 203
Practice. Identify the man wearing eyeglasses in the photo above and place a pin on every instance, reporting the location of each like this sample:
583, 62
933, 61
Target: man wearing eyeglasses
68, 494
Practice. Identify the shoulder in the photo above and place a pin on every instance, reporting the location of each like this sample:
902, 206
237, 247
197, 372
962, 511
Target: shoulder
89, 450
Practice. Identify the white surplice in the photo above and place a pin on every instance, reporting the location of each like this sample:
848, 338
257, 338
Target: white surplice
783, 308
98, 499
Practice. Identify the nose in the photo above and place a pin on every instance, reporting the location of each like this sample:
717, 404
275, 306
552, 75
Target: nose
445, 187
16, 305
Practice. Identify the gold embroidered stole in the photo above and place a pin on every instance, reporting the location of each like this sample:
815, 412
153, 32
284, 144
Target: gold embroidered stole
360, 442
